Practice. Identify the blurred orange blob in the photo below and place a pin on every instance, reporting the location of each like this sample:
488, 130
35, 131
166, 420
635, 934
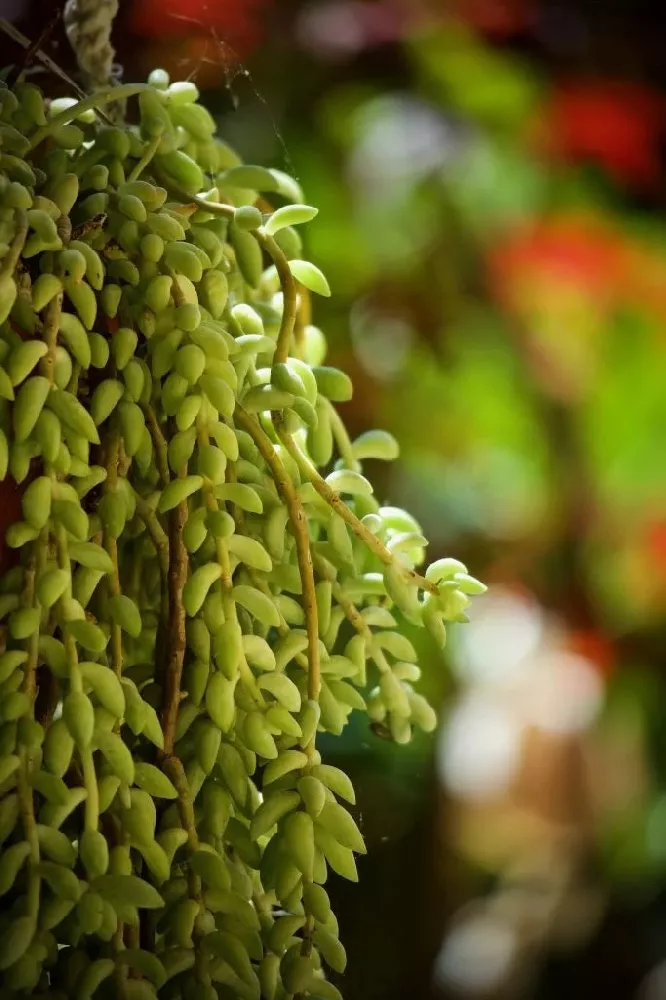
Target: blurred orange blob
656, 538
594, 647
577, 250
559, 277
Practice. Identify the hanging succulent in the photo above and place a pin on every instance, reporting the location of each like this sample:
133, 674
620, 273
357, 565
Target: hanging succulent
193, 600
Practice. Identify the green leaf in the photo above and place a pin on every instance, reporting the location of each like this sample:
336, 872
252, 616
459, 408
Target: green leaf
310, 276
128, 890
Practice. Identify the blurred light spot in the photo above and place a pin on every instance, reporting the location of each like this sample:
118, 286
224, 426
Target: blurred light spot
12, 10
654, 984
504, 631
479, 749
564, 694
343, 29
477, 955
380, 342
332, 29
399, 139
505, 481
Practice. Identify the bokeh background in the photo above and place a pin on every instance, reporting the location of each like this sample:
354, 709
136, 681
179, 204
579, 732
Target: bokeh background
491, 182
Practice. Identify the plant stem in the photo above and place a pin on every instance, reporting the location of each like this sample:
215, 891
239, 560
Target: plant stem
228, 603
151, 149
16, 36
303, 320
155, 530
98, 100
50, 336
215, 207
16, 246
334, 500
342, 439
178, 566
175, 771
299, 525
111, 546
159, 443
352, 614
25, 796
91, 814
289, 295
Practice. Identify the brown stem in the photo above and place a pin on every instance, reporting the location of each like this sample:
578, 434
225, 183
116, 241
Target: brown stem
299, 525
50, 336
173, 767
25, 796
228, 603
289, 295
111, 547
178, 564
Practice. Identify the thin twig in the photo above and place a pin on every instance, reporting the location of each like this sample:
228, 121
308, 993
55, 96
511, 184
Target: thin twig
16, 36
34, 47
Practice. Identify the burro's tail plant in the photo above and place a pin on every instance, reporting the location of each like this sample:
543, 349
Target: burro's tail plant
204, 580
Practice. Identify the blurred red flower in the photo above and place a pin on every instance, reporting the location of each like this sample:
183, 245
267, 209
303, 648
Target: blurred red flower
237, 24
497, 18
617, 124
558, 278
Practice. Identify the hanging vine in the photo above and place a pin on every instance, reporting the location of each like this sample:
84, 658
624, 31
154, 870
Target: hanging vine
205, 579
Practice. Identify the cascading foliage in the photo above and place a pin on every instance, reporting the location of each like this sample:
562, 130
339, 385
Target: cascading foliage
192, 599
